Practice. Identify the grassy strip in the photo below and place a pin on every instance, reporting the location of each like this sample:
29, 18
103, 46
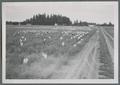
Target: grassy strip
107, 68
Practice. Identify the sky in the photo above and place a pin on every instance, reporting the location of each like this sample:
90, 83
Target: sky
98, 12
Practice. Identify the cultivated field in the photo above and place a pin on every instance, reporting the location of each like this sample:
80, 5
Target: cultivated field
59, 52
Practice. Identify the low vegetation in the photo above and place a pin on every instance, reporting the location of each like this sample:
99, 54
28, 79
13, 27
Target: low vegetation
26, 47
107, 67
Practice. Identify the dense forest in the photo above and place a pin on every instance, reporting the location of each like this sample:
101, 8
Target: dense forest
44, 19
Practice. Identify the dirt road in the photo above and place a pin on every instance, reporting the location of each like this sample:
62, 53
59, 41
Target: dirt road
86, 61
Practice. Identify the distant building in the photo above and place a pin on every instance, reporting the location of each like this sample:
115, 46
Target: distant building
28, 24
55, 24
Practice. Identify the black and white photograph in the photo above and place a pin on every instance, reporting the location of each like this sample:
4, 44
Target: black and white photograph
60, 42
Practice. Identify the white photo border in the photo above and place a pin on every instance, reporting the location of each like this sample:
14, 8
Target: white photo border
61, 81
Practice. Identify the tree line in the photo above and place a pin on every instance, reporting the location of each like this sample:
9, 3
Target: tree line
53, 19
84, 23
